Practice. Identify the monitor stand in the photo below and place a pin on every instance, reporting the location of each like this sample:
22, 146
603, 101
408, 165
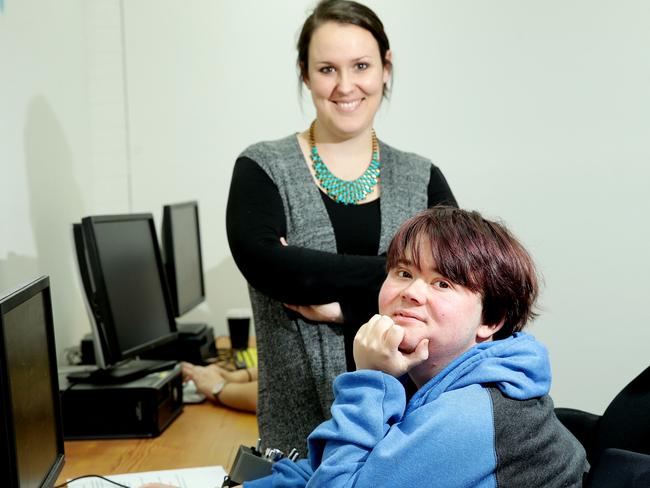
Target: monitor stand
128, 370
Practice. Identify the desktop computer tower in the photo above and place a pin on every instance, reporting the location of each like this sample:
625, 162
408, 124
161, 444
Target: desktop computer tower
140, 408
195, 344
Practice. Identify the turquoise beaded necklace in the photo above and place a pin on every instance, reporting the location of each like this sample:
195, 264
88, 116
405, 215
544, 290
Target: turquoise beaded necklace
345, 191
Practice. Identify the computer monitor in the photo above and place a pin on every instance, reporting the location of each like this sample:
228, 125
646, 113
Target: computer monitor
181, 243
126, 294
31, 433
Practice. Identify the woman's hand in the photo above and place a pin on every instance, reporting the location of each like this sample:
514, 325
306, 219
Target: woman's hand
204, 377
327, 312
376, 346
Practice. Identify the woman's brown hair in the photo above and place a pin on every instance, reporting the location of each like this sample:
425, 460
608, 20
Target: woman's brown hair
343, 12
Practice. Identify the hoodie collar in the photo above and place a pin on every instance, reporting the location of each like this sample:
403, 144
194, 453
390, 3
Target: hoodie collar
518, 366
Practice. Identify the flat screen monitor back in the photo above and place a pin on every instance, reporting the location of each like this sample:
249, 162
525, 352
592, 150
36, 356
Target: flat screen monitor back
181, 238
131, 313
32, 453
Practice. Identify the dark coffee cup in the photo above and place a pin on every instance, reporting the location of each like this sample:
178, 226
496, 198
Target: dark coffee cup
239, 321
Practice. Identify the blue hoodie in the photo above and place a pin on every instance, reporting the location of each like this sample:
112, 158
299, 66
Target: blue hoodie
486, 420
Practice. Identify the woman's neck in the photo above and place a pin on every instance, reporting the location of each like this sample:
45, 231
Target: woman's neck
345, 155
348, 142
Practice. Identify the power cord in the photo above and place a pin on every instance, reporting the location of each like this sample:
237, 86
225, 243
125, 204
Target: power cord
91, 476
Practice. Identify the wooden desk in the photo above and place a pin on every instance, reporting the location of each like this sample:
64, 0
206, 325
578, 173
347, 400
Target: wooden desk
203, 435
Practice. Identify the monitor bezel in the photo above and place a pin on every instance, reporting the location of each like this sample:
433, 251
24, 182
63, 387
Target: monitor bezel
170, 255
9, 301
104, 325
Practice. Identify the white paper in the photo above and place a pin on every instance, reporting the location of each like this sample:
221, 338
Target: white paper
205, 477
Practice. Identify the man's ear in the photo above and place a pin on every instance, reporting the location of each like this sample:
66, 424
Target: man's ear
485, 332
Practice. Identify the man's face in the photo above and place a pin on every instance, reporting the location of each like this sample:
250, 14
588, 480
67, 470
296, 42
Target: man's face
430, 306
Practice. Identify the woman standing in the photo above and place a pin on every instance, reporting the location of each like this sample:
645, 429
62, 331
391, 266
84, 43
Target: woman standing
310, 217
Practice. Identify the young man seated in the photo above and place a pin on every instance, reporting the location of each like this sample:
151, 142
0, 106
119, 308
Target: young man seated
459, 290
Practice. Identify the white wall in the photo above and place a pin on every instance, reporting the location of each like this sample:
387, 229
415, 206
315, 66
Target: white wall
44, 148
537, 112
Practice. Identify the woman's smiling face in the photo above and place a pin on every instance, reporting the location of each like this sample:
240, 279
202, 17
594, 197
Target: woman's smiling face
346, 77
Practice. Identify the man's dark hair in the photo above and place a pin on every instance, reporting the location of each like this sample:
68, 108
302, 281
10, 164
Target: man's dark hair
478, 254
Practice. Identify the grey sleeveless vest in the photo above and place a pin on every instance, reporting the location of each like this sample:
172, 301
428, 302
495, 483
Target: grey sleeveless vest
298, 361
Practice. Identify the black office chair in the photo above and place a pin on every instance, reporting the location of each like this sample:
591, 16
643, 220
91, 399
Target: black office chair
617, 468
620, 432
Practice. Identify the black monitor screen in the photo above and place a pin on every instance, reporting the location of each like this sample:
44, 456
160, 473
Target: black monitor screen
31, 381
133, 282
181, 242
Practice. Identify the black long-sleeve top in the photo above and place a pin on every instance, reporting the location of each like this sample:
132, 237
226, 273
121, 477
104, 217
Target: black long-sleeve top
255, 222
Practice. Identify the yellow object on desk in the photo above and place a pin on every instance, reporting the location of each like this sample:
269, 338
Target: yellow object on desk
246, 358
237, 358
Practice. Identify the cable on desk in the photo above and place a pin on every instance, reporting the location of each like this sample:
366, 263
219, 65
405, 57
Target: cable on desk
91, 476
70, 385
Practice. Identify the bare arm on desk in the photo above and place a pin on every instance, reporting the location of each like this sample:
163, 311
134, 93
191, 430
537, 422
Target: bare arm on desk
239, 392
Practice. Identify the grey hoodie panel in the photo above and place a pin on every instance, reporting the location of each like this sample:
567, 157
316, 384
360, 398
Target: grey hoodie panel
533, 448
